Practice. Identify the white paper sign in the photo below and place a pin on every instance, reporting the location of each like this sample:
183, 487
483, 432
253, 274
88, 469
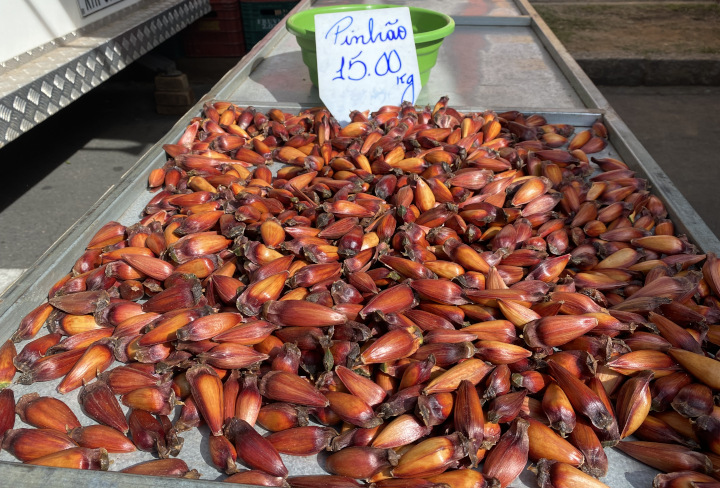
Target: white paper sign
366, 59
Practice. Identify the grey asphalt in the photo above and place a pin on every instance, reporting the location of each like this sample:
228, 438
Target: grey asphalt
54, 173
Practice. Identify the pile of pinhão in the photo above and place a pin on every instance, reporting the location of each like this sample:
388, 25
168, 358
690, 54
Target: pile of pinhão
434, 298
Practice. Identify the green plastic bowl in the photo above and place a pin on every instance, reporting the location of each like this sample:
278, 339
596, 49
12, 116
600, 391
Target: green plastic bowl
429, 29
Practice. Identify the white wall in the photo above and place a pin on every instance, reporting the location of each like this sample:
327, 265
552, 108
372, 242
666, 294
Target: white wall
26, 24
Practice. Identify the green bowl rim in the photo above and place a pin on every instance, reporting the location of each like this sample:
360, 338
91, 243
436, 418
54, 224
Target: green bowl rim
433, 35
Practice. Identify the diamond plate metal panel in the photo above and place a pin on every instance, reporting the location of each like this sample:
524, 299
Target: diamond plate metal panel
39, 88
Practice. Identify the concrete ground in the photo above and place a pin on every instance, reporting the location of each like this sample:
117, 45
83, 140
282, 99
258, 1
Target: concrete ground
57, 171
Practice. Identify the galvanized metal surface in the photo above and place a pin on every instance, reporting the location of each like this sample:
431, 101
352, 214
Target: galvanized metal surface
39, 50
125, 201
503, 65
498, 59
32, 91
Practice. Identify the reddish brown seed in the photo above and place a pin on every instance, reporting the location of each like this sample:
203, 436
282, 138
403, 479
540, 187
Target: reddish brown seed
82, 340
35, 349
457, 478
51, 367
81, 303
430, 457
654, 429
96, 359
207, 391
287, 387
230, 355
323, 481
360, 461
256, 294
584, 438
124, 379
29, 444
633, 403
7, 410
693, 401
291, 313
253, 450
632, 362
109, 234
400, 431
183, 294
682, 479
509, 456
558, 409
76, 458
223, 453
555, 474
302, 441
468, 417
497, 383
703, 368
492, 330
249, 400
7, 365
208, 326
666, 457
150, 399
165, 328
352, 409
433, 409
280, 416
249, 333
440, 291
505, 408
257, 478
582, 398
169, 468
673, 333
496, 352
707, 428
150, 266
545, 443
189, 416
99, 403
231, 388
148, 434
31, 324
417, 372
360, 386
97, 436
407, 267
391, 300
557, 330
473, 370
393, 345
46, 412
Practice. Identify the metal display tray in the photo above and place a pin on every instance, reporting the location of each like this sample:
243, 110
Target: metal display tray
124, 203
575, 101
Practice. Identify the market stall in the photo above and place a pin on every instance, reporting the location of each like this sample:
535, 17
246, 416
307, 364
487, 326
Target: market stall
501, 57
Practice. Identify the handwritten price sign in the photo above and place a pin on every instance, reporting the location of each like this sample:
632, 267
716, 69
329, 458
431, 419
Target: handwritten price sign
366, 59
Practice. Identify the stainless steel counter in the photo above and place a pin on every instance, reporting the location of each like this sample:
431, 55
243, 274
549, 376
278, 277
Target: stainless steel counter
486, 65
